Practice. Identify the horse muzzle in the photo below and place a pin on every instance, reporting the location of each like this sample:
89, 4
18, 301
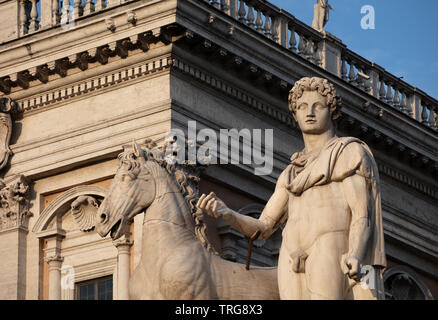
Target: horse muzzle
104, 223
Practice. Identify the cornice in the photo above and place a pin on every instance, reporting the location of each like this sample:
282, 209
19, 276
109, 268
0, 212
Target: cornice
415, 224
408, 180
94, 85
87, 32
28, 77
232, 91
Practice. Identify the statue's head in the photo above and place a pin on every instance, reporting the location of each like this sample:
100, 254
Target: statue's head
314, 104
132, 190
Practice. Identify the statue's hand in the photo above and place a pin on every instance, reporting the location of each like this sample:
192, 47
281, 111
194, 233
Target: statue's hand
351, 267
212, 205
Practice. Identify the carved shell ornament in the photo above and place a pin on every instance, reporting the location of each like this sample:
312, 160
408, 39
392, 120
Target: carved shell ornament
84, 210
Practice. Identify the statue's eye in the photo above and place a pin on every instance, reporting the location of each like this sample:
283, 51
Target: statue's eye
125, 177
320, 106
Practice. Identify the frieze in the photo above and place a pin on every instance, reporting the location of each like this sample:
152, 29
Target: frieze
428, 190
234, 92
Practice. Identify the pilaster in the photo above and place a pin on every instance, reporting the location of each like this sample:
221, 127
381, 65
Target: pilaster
123, 246
14, 218
54, 260
331, 51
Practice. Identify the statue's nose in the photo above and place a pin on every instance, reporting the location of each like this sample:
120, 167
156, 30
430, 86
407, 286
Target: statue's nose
103, 218
311, 111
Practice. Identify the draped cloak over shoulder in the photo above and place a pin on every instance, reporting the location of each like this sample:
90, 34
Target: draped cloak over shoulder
341, 158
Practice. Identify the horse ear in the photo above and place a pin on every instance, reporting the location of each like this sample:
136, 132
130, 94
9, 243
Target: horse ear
138, 152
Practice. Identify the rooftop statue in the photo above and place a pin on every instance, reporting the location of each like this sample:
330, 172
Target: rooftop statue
329, 195
321, 14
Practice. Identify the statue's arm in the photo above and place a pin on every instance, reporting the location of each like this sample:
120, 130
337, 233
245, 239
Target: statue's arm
266, 224
357, 193
268, 221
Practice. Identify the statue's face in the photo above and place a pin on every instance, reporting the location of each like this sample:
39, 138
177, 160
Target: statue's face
312, 113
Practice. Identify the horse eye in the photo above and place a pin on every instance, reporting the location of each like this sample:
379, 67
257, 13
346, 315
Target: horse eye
125, 177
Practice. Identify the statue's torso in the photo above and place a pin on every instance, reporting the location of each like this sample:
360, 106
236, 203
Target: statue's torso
318, 211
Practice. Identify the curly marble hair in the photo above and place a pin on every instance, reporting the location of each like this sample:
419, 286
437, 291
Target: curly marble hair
323, 87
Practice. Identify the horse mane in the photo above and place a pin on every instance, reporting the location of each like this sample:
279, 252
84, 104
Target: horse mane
186, 176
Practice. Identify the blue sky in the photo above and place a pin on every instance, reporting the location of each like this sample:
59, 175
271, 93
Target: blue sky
404, 41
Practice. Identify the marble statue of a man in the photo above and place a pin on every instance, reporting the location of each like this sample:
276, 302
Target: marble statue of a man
329, 195
321, 14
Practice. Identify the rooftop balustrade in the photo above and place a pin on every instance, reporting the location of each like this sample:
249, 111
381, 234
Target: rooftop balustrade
289, 32
32, 16
36, 15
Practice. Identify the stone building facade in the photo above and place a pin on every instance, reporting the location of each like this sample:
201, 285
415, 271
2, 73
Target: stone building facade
79, 80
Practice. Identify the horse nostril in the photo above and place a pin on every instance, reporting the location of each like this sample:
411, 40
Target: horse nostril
102, 217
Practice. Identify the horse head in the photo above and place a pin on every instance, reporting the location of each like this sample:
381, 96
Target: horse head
143, 176
132, 190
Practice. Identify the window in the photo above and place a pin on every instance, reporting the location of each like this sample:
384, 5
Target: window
402, 283
96, 289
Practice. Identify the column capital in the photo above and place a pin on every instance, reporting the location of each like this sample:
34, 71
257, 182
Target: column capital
14, 203
54, 259
123, 242
55, 262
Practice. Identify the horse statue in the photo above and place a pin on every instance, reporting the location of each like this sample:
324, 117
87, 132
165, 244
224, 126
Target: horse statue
177, 260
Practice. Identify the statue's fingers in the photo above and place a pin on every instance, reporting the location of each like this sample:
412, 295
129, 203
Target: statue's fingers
214, 209
344, 267
205, 201
354, 268
209, 204
198, 204
211, 195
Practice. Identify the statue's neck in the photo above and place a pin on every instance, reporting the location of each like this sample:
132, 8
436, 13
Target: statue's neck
169, 205
168, 230
315, 142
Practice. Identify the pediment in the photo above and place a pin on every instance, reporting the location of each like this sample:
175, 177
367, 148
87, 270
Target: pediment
62, 204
